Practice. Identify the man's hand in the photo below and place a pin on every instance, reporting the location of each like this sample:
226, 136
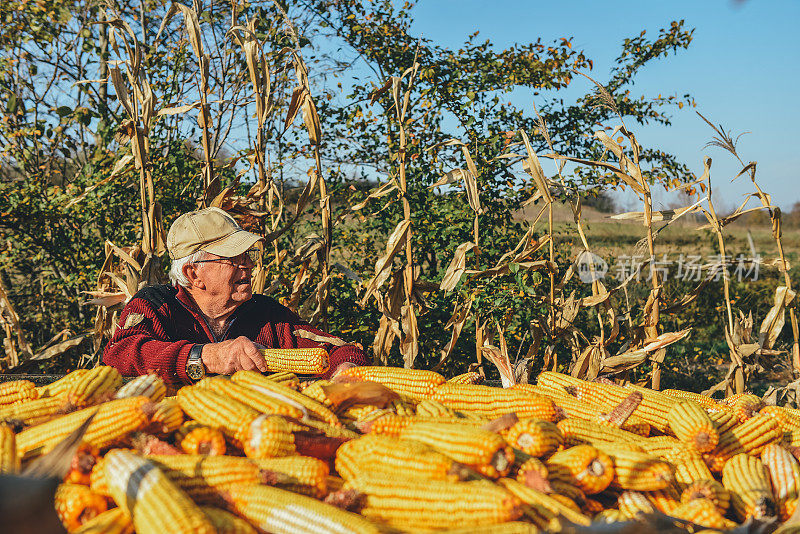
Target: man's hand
227, 357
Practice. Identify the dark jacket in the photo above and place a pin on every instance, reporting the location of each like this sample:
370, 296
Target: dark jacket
160, 324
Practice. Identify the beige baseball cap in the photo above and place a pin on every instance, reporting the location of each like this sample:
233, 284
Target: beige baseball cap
212, 230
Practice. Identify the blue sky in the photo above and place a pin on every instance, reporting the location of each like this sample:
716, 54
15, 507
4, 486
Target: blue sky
741, 68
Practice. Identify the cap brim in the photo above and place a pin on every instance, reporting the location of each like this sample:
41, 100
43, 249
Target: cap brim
234, 244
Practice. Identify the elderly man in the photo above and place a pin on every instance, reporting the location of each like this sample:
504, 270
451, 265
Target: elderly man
210, 320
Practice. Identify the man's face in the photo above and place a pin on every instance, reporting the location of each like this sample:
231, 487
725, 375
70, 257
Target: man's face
226, 280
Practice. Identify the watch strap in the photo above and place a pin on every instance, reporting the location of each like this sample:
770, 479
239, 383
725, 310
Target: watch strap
196, 352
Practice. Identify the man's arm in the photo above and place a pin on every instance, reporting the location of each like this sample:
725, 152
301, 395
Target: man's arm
141, 345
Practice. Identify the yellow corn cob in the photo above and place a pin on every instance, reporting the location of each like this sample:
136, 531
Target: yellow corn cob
97, 385
665, 446
494, 402
227, 523
9, 461
97, 478
562, 489
113, 521
530, 496
633, 503
532, 472
83, 461
638, 471
269, 436
148, 497
385, 456
432, 408
467, 378
360, 412
312, 361
250, 397
576, 409
690, 468
167, 417
746, 479
17, 390
113, 422
282, 393
315, 391
704, 513
210, 408
434, 504
708, 489
511, 527
786, 509
784, 473
202, 478
609, 516
665, 500
194, 438
60, 386
299, 474
392, 425
553, 380
653, 408
577, 431
413, 383
724, 418
480, 449
285, 378
746, 405
76, 504
702, 400
749, 437
692, 425
583, 466
150, 386
787, 419
33, 412
592, 507
535, 437
326, 429
281, 512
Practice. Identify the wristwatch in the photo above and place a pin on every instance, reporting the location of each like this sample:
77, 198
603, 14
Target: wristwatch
194, 363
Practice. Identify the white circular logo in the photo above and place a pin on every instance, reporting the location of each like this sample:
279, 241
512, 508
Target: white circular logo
591, 267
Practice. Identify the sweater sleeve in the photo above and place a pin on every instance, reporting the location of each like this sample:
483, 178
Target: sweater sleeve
141, 345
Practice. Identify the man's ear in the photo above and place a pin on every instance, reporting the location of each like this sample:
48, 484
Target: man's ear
192, 273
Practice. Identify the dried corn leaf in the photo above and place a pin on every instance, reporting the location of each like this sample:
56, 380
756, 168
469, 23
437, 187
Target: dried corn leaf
773, 323
457, 266
535, 169
383, 267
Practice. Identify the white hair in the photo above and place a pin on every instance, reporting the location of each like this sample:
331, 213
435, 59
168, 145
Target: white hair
176, 275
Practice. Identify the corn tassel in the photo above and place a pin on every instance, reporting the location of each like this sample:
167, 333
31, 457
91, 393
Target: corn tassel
148, 497
76, 504
480, 449
583, 466
278, 511
746, 478
113, 422
692, 425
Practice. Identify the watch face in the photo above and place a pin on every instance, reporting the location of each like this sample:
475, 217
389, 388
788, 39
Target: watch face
195, 370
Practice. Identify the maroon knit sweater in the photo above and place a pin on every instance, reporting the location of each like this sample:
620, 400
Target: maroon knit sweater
160, 325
